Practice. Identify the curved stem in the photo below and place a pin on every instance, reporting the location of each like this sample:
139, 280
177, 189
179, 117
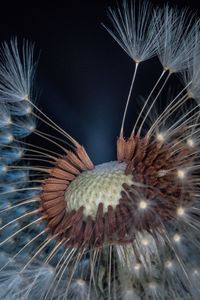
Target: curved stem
152, 104
53, 124
128, 99
146, 102
171, 107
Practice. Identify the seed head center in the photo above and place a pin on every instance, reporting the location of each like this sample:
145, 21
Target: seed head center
102, 184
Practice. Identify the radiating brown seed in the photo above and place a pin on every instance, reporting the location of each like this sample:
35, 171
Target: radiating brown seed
76, 232
99, 225
121, 144
55, 180
130, 147
51, 195
55, 210
53, 187
111, 223
82, 154
73, 158
67, 166
89, 231
64, 224
61, 174
53, 223
54, 202
121, 231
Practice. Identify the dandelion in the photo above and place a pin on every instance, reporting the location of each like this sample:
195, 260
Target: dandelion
125, 229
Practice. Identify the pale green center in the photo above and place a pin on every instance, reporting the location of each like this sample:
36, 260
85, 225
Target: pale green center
102, 184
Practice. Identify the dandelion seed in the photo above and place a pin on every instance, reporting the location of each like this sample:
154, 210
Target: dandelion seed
127, 229
176, 41
134, 30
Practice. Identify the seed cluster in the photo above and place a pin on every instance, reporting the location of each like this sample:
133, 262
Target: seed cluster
162, 189
155, 193
73, 225
53, 190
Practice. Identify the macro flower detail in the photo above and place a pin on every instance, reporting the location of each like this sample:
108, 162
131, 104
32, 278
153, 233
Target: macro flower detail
121, 230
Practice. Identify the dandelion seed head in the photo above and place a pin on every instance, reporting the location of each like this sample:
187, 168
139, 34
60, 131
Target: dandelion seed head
103, 184
140, 45
75, 230
172, 50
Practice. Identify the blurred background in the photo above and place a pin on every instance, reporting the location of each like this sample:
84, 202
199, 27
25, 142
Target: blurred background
83, 76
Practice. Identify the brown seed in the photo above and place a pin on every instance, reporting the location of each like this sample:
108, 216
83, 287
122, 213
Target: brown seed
55, 180
51, 195
130, 147
54, 202
121, 231
54, 187
82, 154
89, 230
67, 166
53, 223
99, 225
55, 210
76, 232
61, 174
121, 144
63, 225
111, 223
73, 158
